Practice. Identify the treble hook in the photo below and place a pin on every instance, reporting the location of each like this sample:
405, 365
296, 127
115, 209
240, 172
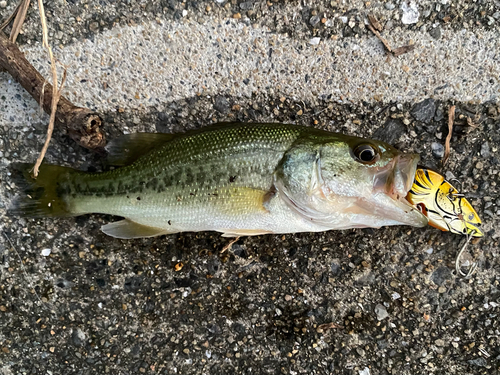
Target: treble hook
474, 265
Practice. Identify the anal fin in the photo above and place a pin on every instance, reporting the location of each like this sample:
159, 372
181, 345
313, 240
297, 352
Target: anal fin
127, 229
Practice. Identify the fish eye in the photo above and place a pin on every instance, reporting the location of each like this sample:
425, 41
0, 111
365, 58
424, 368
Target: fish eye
366, 154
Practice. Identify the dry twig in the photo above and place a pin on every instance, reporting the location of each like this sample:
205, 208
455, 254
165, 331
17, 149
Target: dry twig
377, 34
375, 26
327, 326
451, 119
19, 15
81, 124
402, 50
374, 22
229, 245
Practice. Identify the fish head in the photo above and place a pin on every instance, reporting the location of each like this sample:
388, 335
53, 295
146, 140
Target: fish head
349, 182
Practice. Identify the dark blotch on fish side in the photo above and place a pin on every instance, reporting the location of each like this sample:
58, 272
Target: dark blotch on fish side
152, 184
168, 181
201, 176
189, 174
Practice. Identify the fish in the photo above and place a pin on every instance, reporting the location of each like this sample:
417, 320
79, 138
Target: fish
234, 178
443, 205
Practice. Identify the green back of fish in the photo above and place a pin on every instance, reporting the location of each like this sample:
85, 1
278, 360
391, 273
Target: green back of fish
169, 170
192, 167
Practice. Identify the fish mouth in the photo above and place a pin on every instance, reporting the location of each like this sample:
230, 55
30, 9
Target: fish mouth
391, 185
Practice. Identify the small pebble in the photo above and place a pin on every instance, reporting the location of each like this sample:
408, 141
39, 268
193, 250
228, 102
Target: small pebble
94, 26
46, 252
485, 150
424, 111
439, 342
314, 41
3, 4
314, 20
410, 13
381, 312
437, 150
435, 32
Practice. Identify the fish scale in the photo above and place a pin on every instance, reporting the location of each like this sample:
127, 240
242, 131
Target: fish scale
198, 172
238, 179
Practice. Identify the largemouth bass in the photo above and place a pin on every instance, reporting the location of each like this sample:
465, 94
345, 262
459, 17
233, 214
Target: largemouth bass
237, 179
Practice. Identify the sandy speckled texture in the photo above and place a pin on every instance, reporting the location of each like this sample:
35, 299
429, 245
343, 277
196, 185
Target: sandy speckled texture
348, 302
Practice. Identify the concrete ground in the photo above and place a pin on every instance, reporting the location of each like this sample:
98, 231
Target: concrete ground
373, 301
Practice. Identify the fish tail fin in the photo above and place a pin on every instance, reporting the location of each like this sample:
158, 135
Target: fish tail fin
42, 196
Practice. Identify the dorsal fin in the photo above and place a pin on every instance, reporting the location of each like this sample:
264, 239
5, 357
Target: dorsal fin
128, 148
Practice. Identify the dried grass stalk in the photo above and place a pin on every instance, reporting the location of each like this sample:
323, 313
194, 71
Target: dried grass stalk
451, 119
56, 92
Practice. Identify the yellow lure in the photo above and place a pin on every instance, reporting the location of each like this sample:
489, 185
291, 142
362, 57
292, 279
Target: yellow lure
443, 205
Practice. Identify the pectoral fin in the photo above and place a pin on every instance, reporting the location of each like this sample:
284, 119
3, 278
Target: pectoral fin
127, 229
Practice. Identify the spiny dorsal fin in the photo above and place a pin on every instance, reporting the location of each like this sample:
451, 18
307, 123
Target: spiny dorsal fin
128, 148
127, 229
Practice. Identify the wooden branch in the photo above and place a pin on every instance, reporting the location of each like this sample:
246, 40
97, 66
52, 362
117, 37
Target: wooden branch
81, 124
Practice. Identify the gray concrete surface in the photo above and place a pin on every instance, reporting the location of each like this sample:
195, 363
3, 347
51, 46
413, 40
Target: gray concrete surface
73, 301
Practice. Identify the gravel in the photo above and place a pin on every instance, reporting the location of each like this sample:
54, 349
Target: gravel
381, 312
424, 111
296, 304
391, 131
437, 150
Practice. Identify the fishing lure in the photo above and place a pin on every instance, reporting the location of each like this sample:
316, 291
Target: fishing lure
443, 205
